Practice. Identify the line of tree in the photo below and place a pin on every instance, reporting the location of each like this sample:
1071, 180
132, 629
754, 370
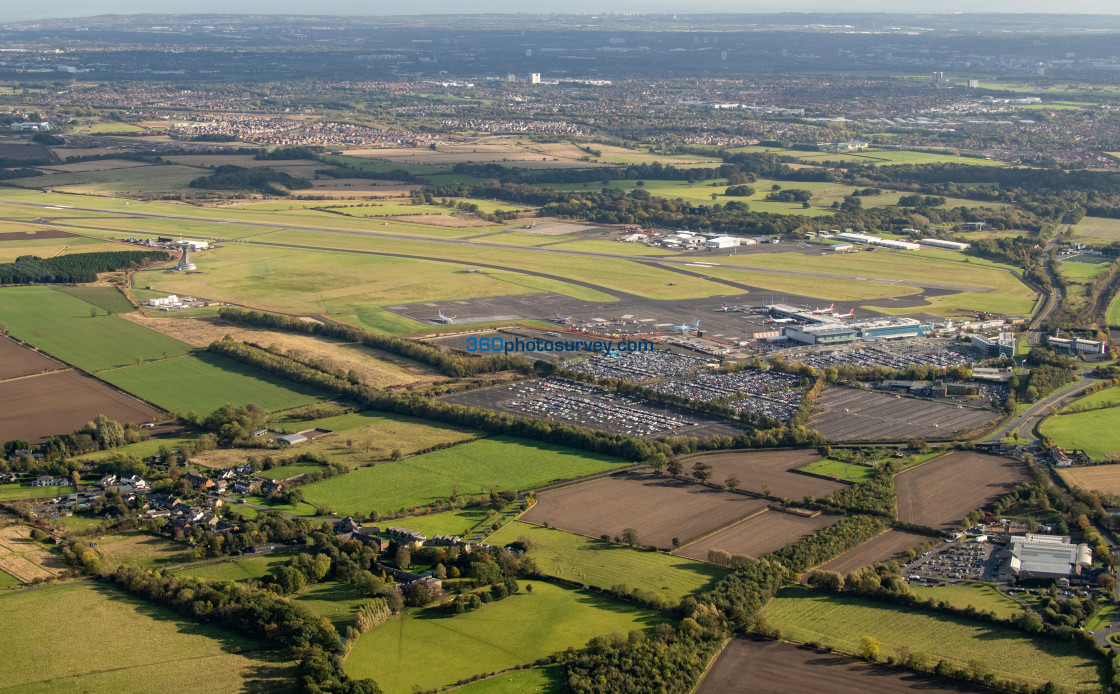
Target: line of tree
74, 268
491, 422
829, 542
456, 365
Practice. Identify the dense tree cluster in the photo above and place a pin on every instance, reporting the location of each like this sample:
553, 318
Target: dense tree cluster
263, 179
829, 542
74, 268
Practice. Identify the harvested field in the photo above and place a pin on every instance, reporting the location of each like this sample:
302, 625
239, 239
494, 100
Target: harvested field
771, 470
439, 220
885, 547
60, 402
97, 165
26, 152
860, 415
758, 535
1100, 478
24, 558
17, 360
765, 667
659, 508
375, 368
940, 493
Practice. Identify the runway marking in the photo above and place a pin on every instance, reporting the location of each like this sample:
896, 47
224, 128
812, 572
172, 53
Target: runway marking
628, 316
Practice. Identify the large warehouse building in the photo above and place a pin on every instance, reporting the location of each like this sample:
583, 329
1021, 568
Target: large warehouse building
1046, 558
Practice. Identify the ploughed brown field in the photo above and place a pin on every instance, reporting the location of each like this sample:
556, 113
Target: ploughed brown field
883, 548
39, 407
658, 507
758, 535
17, 360
35, 234
774, 667
940, 493
770, 470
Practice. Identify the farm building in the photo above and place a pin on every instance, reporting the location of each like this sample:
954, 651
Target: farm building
1045, 557
289, 439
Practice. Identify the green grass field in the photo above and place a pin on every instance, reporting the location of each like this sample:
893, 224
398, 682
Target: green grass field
1105, 397
286, 471
13, 245
845, 472
133, 180
15, 492
446, 523
238, 569
1113, 316
248, 512
373, 435
602, 565
842, 622
982, 597
428, 649
546, 680
1096, 432
139, 549
499, 463
204, 382
82, 638
1097, 230
338, 602
871, 156
108, 298
8, 581
60, 325
1008, 295
1105, 616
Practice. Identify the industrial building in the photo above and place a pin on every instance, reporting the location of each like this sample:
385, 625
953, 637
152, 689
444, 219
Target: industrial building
856, 237
951, 245
1045, 558
722, 242
1001, 346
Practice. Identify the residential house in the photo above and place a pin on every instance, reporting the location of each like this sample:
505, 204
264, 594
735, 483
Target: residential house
406, 536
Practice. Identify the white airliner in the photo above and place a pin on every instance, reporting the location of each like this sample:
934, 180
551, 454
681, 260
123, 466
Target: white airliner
819, 311
780, 320
563, 320
724, 308
844, 316
445, 320
686, 328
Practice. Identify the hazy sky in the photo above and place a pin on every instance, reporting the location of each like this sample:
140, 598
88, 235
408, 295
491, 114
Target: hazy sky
16, 9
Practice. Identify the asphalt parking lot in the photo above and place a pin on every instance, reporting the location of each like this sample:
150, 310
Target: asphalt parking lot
594, 407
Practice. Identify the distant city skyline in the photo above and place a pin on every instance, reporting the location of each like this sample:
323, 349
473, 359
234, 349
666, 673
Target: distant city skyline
82, 8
